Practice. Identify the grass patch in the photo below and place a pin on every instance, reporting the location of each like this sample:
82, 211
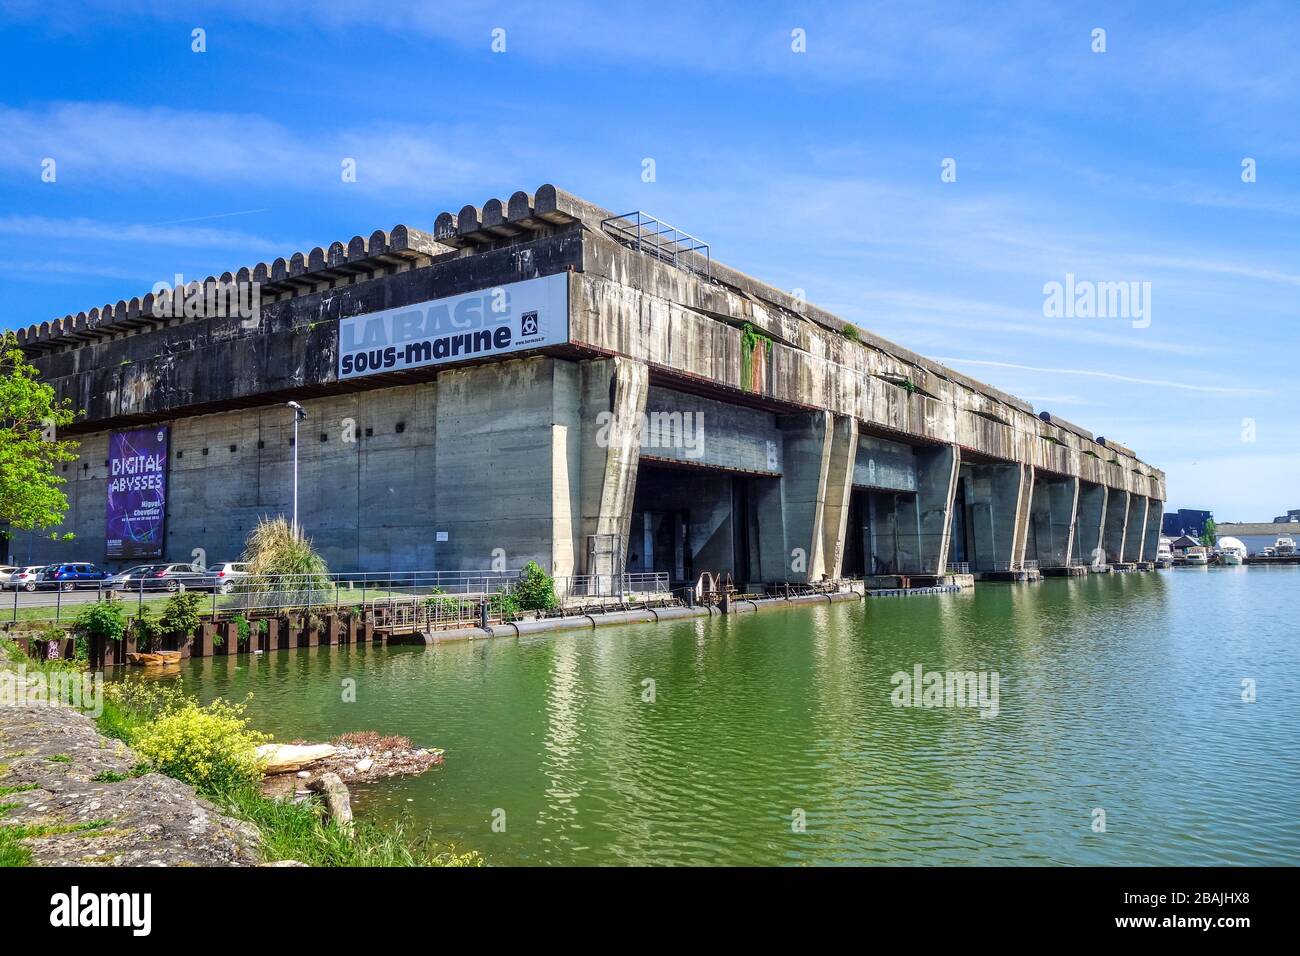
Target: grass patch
12, 851
61, 758
296, 831
21, 788
114, 776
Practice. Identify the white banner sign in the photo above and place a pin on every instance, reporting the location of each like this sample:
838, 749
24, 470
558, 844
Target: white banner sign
508, 318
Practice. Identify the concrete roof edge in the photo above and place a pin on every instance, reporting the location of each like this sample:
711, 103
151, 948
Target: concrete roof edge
401, 242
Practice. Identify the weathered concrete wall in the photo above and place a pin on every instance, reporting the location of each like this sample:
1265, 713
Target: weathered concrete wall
502, 429
1052, 520
532, 455
1151, 540
1117, 513
1090, 522
366, 498
1135, 528
995, 514
614, 394
884, 464
807, 444
700, 431
629, 304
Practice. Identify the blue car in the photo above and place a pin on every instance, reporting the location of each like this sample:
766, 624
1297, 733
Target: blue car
68, 577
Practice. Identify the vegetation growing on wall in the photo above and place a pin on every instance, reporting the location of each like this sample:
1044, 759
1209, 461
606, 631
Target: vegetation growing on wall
755, 358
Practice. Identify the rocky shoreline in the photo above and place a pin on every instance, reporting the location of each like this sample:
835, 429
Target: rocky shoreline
83, 801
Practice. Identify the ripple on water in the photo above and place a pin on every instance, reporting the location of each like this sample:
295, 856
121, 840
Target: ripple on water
1116, 692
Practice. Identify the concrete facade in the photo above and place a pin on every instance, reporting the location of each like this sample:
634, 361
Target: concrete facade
793, 453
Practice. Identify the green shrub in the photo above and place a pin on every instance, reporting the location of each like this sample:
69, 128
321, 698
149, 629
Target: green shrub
242, 628
211, 748
535, 590
851, 333
103, 619
180, 615
506, 604
145, 629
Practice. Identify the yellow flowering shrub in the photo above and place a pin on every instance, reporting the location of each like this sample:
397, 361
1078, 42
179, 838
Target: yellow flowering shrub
210, 748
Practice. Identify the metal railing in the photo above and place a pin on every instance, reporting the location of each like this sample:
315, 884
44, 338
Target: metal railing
436, 598
586, 590
262, 594
654, 237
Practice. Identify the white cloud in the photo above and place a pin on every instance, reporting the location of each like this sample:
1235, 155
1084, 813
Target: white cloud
1113, 376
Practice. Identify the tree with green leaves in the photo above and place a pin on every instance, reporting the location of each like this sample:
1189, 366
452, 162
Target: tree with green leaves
1210, 534
30, 451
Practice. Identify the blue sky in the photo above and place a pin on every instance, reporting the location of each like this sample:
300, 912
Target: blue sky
817, 170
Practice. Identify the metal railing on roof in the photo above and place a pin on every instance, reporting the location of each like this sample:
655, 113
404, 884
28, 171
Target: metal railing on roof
654, 237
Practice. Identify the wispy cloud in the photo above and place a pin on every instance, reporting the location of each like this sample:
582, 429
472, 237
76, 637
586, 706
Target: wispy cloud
80, 229
101, 144
1112, 376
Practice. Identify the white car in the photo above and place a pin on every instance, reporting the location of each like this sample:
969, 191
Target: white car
225, 575
6, 572
25, 578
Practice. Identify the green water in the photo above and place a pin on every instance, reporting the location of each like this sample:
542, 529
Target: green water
1119, 692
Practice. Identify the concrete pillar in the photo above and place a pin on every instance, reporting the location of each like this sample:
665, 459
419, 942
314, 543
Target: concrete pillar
997, 507
613, 409
1090, 521
1052, 520
1112, 540
1135, 533
1155, 517
924, 521
808, 440
839, 485
1024, 505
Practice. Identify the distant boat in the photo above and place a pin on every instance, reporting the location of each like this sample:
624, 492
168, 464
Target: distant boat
1196, 558
1284, 545
1232, 551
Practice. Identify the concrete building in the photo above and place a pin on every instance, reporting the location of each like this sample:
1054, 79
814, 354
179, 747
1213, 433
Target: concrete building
1186, 521
540, 379
1258, 535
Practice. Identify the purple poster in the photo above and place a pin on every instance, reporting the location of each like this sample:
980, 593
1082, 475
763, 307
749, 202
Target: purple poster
137, 492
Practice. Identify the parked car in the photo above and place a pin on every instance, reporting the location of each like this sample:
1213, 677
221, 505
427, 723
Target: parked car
26, 578
6, 571
69, 577
159, 577
225, 574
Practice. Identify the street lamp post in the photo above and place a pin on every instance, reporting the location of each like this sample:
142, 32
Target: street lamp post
298, 415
